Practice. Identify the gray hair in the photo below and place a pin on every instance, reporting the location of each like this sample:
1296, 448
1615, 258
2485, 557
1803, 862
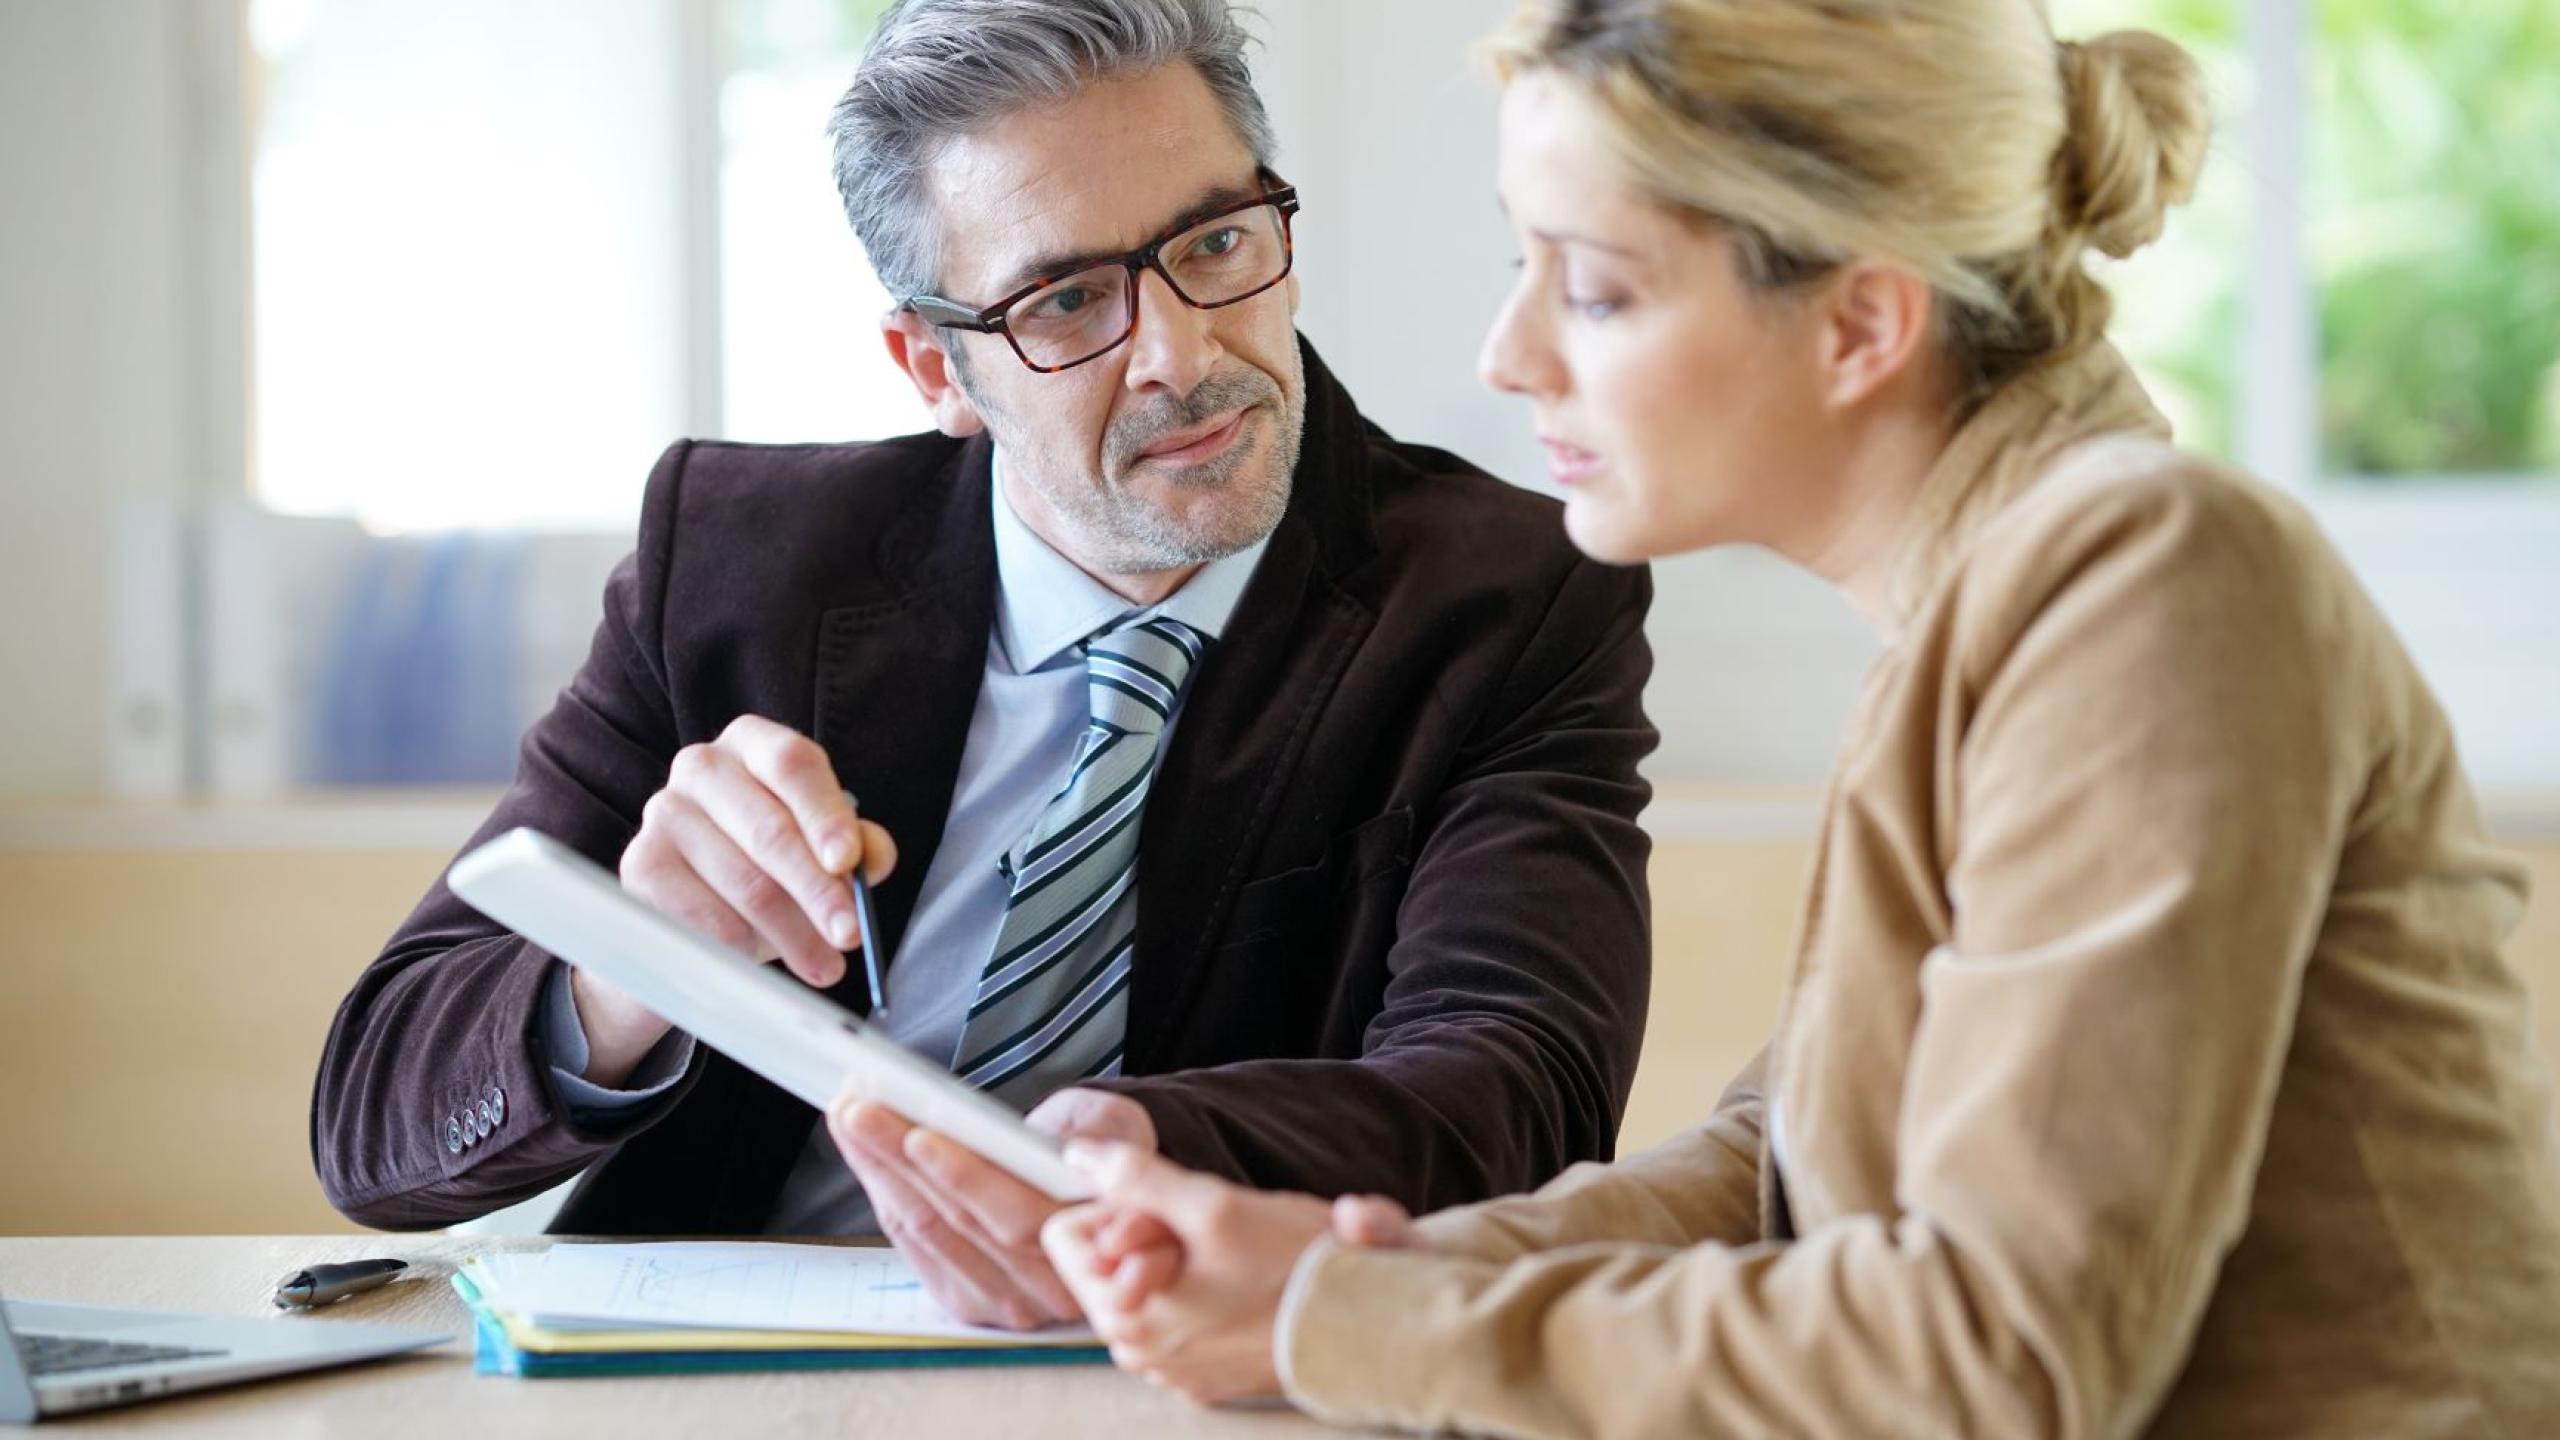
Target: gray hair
939, 69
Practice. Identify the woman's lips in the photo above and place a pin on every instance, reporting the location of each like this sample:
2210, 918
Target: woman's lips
1570, 464
1198, 445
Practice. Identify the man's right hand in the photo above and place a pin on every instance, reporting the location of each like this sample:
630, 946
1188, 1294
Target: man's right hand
748, 844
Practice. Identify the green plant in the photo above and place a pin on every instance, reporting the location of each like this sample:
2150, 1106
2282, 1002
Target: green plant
2435, 236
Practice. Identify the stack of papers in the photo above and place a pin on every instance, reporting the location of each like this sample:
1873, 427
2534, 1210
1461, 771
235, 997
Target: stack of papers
699, 1306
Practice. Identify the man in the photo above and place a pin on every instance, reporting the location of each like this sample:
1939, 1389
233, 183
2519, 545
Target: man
1234, 780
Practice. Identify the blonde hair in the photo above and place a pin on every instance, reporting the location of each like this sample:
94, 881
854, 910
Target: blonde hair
1952, 136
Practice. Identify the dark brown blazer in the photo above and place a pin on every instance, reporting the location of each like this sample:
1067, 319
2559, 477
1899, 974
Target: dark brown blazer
1392, 925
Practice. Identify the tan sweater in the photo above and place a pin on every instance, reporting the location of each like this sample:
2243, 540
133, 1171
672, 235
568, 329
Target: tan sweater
2148, 1066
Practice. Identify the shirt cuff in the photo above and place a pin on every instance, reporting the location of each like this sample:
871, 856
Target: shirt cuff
564, 1041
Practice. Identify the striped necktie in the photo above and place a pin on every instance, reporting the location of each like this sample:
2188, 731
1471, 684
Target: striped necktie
1052, 1005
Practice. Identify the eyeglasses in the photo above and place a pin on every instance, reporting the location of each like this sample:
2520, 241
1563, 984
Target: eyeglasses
1059, 323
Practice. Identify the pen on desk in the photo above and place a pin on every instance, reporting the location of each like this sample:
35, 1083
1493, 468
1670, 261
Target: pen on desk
326, 1284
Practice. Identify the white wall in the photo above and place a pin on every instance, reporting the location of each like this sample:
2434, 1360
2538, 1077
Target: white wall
91, 375
117, 201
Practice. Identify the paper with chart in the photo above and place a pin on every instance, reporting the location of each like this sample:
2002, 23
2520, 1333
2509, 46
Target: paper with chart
735, 1285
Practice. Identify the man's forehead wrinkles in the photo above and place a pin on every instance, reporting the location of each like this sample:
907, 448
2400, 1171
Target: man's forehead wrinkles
1035, 247
992, 214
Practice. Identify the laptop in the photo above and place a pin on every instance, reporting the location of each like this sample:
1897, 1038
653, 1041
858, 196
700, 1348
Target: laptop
57, 1359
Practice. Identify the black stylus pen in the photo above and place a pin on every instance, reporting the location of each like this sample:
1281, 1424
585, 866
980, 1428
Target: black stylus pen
326, 1284
870, 925
873, 962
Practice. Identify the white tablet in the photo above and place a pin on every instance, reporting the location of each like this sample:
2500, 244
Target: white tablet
754, 1014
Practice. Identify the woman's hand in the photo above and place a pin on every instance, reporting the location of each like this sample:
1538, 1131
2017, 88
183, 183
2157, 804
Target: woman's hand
1182, 1273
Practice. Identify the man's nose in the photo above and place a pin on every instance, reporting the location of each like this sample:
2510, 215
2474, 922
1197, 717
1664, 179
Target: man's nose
1176, 346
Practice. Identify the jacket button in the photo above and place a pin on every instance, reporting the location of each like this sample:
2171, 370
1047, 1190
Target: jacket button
484, 1119
497, 1105
453, 1134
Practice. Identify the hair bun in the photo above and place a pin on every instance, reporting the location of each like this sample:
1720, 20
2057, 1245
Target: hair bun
2135, 141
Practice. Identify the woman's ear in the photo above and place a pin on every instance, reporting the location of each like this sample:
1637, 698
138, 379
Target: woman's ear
916, 348
1875, 321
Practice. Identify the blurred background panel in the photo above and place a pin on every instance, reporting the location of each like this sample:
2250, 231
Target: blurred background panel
337, 338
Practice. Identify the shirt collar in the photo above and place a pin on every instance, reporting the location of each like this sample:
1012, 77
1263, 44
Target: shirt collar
1046, 606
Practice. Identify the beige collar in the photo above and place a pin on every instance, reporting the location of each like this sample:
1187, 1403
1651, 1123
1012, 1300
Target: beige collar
2011, 442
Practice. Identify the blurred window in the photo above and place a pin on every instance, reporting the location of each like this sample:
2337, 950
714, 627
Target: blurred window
2411, 214
503, 255
2434, 236
467, 276
800, 308
482, 298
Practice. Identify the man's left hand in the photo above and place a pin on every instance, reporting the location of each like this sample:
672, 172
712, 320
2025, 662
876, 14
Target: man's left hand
969, 1227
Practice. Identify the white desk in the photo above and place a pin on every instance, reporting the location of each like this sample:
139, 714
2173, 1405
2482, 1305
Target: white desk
436, 1395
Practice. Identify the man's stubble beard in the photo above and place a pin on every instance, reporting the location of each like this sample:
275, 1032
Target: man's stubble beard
1119, 532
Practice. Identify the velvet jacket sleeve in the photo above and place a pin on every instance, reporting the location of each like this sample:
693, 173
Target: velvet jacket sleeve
447, 1018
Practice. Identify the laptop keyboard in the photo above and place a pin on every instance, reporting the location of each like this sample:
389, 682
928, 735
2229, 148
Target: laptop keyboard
64, 1354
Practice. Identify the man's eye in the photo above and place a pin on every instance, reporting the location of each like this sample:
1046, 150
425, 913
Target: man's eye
1064, 304
1222, 243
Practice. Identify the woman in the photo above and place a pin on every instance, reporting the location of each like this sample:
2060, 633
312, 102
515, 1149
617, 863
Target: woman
2148, 1064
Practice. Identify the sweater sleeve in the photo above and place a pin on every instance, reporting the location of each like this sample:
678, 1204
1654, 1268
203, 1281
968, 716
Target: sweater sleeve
1692, 1188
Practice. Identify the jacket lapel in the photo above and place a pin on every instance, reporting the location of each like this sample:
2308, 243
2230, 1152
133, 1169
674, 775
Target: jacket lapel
898, 680
1245, 722
897, 677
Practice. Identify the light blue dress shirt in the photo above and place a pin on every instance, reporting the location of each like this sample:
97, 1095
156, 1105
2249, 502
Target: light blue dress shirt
1031, 714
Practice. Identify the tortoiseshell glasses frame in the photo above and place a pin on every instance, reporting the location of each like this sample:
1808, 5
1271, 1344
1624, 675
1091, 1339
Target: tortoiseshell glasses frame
1061, 321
